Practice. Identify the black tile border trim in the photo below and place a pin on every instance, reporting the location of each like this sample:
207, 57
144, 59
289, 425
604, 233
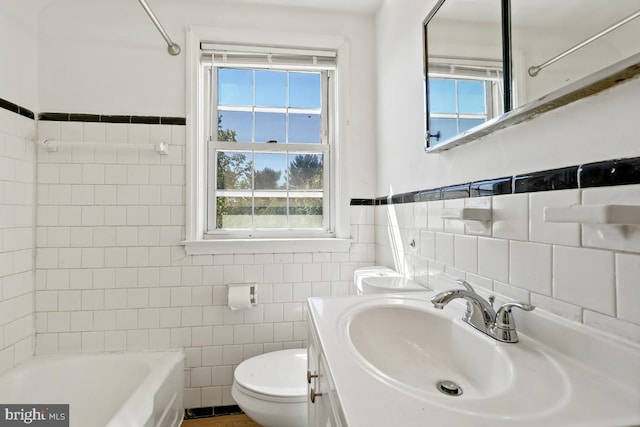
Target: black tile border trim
612, 172
15, 108
556, 179
362, 202
211, 411
98, 118
596, 174
93, 118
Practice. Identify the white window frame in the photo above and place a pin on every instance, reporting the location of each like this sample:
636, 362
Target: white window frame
196, 240
485, 70
324, 148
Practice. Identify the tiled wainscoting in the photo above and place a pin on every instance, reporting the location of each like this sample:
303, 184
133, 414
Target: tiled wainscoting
16, 236
112, 274
582, 272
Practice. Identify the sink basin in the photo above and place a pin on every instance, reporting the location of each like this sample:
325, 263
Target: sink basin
415, 349
387, 353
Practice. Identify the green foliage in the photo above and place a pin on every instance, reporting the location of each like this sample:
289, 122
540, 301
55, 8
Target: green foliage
267, 179
233, 171
305, 172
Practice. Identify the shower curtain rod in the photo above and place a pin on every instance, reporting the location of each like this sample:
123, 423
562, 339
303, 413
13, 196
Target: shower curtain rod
533, 71
173, 48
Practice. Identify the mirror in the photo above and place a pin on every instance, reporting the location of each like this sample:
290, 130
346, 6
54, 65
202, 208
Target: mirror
485, 58
466, 74
538, 36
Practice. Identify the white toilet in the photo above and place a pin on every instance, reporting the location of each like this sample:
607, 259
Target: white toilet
271, 388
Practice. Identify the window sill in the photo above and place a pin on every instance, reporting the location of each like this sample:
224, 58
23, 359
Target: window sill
264, 246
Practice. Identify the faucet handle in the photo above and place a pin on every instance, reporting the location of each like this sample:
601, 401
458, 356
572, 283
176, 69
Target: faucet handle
466, 284
504, 317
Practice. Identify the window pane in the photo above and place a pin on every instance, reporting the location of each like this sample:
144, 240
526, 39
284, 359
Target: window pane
448, 128
471, 96
237, 123
271, 127
233, 212
270, 171
305, 128
264, 188
305, 171
235, 86
304, 90
466, 124
305, 212
271, 88
270, 212
233, 170
442, 96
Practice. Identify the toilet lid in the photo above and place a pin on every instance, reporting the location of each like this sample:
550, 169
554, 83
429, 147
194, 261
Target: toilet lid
389, 284
276, 374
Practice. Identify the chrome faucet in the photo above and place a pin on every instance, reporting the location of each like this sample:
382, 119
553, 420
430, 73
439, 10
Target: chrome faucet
499, 325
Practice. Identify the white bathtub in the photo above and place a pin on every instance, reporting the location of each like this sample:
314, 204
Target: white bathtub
110, 389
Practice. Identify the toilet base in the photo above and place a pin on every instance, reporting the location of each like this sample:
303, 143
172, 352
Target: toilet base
271, 414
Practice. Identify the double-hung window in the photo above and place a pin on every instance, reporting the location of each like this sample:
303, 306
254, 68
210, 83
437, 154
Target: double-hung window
269, 141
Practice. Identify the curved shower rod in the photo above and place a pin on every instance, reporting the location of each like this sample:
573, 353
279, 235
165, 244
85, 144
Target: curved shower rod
534, 70
172, 48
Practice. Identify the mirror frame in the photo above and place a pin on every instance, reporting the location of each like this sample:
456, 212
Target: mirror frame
606, 78
507, 98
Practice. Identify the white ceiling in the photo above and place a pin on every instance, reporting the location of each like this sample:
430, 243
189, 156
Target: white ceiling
358, 6
353, 6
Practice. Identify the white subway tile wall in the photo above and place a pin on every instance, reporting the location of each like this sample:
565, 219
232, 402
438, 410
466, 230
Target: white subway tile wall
112, 275
586, 274
17, 199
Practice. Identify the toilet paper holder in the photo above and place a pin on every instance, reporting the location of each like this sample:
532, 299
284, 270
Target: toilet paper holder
242, 295
252, 295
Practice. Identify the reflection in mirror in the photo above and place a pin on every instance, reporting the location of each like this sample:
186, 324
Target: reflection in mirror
539, 36
463, 50
577, 47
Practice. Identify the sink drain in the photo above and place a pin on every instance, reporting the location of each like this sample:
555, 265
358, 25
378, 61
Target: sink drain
449, 388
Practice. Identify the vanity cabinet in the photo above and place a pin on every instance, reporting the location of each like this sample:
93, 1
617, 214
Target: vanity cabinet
323, 405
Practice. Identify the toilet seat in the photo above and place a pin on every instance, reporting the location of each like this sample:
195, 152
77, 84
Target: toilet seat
274, 377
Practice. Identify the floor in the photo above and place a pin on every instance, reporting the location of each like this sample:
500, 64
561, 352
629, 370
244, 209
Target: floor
222, 421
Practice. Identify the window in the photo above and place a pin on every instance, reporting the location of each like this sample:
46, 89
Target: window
269, 143
462, 97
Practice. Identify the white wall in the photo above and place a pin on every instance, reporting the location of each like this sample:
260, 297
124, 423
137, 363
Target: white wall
602, 127
569, 133
107, 58
111, 272
16, 238
18, 44
17, 85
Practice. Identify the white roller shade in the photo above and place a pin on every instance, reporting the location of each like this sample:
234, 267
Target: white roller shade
268, 56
